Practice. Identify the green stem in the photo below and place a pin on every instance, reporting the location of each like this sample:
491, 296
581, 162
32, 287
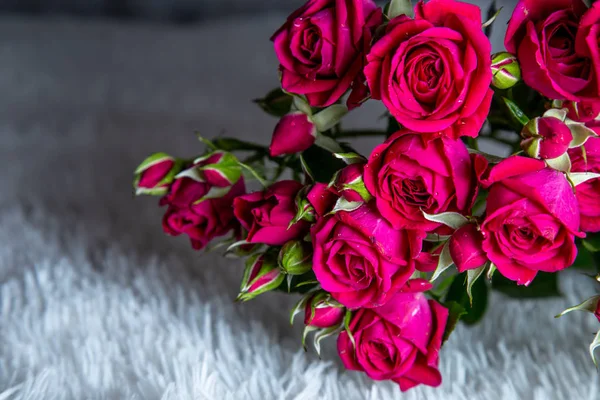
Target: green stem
358, 133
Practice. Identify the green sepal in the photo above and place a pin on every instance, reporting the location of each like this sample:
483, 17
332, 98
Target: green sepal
276, 103
472, 276
322, 334
452, 219
398, 7
228, 167
444, 262
589, 305
347, 319
593, 346
344, 205
295, 257
515, 111
350, 158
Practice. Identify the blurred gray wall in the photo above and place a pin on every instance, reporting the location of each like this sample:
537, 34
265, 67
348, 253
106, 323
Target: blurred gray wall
171, 10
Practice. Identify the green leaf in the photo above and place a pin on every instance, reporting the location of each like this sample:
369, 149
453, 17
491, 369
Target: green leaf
276, 103
452, 219
255, 174
455, 313
444, 262
299, 307
329, 117
544, 285
399, 7
233, 144
322, 334
515, 111
350, 158
479, 291
577, 178
492, 13
152, 160
592, 242
344, 205
321, 163
589, 305
307, 330
562, 163
327, 143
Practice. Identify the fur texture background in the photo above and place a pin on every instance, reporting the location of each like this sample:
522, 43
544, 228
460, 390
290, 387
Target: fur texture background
96, 303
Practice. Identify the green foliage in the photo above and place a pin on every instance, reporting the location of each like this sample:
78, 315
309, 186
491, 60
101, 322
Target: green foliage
458, 294
322, 163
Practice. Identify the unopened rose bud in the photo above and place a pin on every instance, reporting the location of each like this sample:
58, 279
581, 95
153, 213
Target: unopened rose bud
349, 183
220, 169
322, 311
506, 71
276, 103
466, 248
155, 174
295, 257
546, 137
261, 275
294, 133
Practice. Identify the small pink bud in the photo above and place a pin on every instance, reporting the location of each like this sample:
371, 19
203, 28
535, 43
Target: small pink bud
350, 184
261, 275
546, 138
294, 133
323, 312
466, 248
155, 174
322, 198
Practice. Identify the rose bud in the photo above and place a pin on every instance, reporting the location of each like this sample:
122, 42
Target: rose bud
267, 215
322, 198
350, 184
466, 248
261, 275
506, 70
399, 341
294, 133
546, 137
322, 311
295, 257
155, 174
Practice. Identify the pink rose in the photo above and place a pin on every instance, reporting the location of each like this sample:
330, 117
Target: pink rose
205, 220
320, 313
360, 259
321, 48
588, 193
466, 248
407, 174
546, 138
267, 214
433, 73
399, 341
531, 219
557, 48
585, 111
293, 134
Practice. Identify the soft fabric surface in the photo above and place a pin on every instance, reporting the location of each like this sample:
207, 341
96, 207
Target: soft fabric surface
96, 303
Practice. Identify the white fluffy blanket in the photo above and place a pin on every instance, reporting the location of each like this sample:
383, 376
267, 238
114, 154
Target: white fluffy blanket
96, 303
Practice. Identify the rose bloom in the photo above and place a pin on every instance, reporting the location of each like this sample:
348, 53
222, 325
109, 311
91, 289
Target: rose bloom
433, 72
399, 341
407, 174
204, 221
588, 193
557, 47
360, 259
321, 48
531, 221
267, 214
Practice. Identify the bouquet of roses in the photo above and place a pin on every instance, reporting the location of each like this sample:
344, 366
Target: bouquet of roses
387, 252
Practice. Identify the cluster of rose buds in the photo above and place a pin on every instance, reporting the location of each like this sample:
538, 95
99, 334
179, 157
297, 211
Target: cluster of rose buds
370, 242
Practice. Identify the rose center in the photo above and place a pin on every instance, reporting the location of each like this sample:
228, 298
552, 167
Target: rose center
311, 44
413, 192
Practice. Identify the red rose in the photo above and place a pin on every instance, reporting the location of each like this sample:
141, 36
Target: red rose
399, 341
321, 48
546, 137
267, 214
360, 259
588, 193
204, 221
294, 133
556, 47
531, 220
433, 73
407, 174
